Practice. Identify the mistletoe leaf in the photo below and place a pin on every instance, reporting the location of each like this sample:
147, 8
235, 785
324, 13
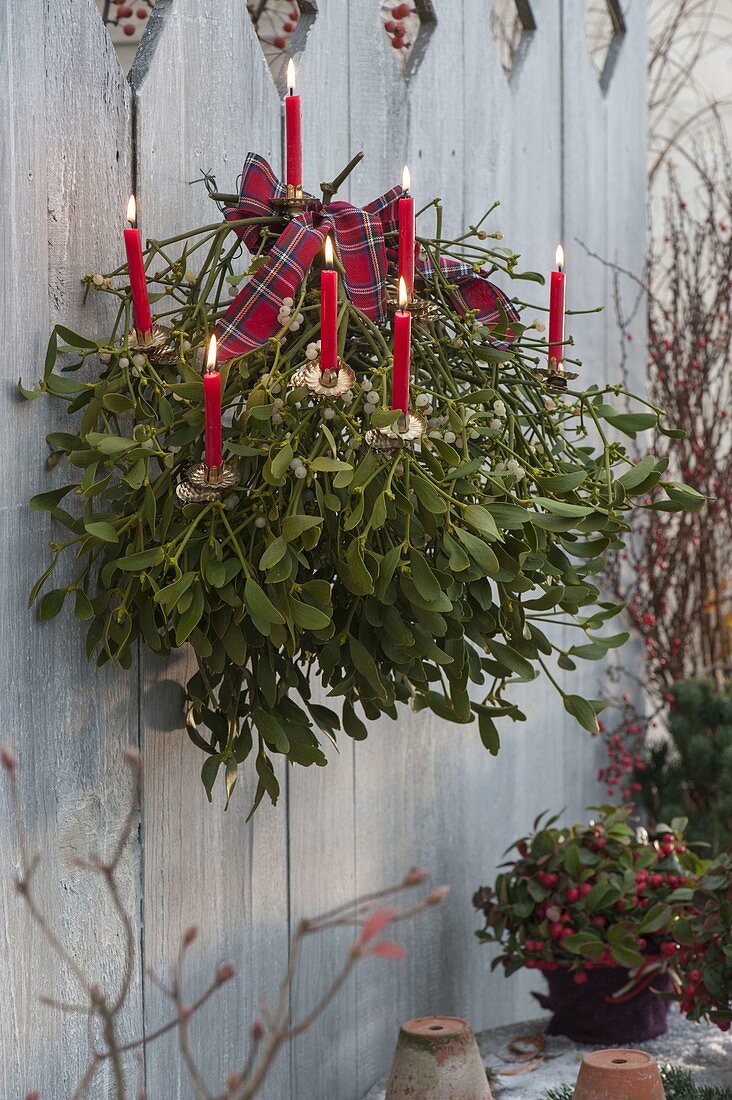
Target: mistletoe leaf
583, 711
260, 604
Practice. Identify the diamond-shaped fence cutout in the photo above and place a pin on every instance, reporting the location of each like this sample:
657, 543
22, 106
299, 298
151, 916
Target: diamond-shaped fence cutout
282, 28
604, 31
408, 27
126, 23
512, 24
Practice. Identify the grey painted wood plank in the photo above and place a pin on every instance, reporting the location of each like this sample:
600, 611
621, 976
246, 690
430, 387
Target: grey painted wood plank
64, 188
320, 800
415, 792
205, 98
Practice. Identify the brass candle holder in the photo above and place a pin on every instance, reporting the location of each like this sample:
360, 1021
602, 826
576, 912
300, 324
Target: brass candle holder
409, 427
555, 376
327, 384
157, 344
420, 308
205, 483
295, 201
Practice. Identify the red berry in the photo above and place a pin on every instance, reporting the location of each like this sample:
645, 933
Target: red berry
556, 930
129, 29
584, 889
580, 977
600, 841
529, 945
124, 11
723, 1025
142, 13
294, 15
279, 42
695, 976
390, 26
573, 894
538, 945
668, 949
620, 905
398, 42
657, 879
401, 11
288, 28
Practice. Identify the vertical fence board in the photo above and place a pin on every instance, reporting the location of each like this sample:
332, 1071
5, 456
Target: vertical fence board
320, 801
64, 188
567, 161
204, 99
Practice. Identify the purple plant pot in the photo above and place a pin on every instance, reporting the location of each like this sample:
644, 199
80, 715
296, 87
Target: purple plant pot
582, 1013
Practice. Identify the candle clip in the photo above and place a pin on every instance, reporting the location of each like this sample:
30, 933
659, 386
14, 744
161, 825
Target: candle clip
203, 483
158, 344
420, 308
294, 201
555, 376
327, 383
408, 427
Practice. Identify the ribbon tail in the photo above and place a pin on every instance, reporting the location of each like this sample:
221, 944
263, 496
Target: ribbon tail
472, 292
359, 236
252, 318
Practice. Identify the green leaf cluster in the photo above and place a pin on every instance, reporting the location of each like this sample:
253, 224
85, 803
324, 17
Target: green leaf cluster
590, 895
427, 577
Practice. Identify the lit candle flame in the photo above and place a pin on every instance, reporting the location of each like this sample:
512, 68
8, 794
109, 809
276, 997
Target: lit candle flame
406, 179
403, 296
560, 257
291, 77
211, 356
132, 211
328, 251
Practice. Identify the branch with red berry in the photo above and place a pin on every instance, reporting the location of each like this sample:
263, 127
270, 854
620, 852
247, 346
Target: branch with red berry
605, 895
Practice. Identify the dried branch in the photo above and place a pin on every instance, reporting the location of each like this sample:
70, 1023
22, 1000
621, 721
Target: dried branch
370, 916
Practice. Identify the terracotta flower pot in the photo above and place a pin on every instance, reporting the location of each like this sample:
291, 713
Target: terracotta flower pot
583, 1013
619, 1074
437, 1058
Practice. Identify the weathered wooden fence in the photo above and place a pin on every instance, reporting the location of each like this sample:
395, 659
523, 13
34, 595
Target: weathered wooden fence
567, 159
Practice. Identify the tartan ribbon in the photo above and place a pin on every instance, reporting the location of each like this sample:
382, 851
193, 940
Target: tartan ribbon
359, 237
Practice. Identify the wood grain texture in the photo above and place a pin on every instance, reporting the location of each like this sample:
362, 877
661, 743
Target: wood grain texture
64, 189
204, 98
567, 162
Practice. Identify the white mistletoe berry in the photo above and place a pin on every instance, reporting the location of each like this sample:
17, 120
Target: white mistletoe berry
288, 301
139, 359
550, 404
422, 400
124, 362
367, 385
260, 522
97, 280
497, 425
450, 437
104, 356
301, 472
328, 413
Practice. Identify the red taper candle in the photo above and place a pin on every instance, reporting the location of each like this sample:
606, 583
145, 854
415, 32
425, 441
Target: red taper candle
138, 280
212, 408
556, 314
293, 132
406, 235
402, 352
328, 311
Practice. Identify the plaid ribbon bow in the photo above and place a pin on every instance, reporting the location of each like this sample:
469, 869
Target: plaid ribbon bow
252, 317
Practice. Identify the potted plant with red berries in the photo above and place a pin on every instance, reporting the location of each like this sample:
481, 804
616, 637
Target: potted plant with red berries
592, 907
704, 959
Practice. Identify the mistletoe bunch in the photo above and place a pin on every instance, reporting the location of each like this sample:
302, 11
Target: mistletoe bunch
426, 576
